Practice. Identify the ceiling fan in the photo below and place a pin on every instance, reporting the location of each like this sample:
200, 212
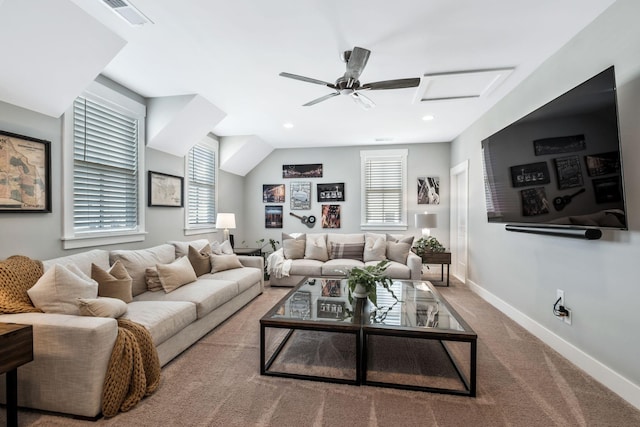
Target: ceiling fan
348, 84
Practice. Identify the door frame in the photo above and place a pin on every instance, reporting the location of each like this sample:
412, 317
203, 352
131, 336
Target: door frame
459, 172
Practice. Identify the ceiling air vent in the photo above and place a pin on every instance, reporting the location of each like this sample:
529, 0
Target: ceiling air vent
128, 12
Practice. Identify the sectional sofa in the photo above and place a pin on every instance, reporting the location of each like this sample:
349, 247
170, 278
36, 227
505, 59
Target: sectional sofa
71, 351
333, 254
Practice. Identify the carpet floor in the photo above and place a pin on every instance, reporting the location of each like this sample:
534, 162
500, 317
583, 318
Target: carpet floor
216, 382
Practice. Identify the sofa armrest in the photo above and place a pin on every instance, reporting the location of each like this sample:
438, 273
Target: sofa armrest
414, 262
252, 261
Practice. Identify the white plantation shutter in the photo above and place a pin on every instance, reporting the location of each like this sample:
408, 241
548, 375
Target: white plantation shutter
384, 184
201, 162
105, 168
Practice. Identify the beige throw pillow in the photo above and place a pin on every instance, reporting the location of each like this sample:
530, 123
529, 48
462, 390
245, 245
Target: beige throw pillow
316, 247
224, 262
199, 260
152, 279
293, 246
102, 307
59, 287
115, 283
375, 249
178, 273
398, 252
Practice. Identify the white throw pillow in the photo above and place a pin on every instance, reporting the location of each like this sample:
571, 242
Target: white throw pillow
316, 247
225, 248
102, 307
59, 288
375, 249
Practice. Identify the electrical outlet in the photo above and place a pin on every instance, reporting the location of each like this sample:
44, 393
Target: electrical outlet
560, 294
562, 302
567, 318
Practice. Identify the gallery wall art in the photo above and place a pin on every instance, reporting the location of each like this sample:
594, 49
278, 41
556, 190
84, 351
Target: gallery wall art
273, 193
429, 190
330, 216
331, 192
300, 195
302, 171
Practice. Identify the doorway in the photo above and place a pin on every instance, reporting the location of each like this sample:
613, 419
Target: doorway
459, 178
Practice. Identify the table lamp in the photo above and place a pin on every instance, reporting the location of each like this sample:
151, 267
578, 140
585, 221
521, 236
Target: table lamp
426, 221
226, 221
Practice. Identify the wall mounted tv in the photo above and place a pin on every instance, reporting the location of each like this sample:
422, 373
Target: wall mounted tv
560, 165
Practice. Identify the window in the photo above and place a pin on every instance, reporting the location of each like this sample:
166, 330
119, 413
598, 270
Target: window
102, 166
201, 187
384, 183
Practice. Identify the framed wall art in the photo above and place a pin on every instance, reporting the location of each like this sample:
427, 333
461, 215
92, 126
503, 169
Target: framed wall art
603, 163
558, 145
569, 172
273, 216
331, 192
300, 195
302, 171
25, 179
534, 201
530, 174
165, 190
429, 190
330, 216
273, 193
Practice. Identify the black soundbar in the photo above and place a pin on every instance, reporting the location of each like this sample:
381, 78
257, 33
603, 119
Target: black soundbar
577, 233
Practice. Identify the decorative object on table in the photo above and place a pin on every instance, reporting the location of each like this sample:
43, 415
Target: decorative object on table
302, 171
362, 282
429, 190
331, 192
427, 244
226, 221
25, 163
569, 172
330, 216
300, 195
603, 163
309, 221
165, 190
426, 221
273, 193
273, 216
530, 174
558, 145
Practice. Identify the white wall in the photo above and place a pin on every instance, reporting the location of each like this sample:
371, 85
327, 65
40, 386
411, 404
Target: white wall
521, 272
343, 165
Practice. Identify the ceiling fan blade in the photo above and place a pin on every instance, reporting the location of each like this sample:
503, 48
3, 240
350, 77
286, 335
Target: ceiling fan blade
307, 79
391, 84
364, 102
322, 98
357, 61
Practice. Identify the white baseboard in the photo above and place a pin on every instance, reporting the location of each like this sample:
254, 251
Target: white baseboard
602, 373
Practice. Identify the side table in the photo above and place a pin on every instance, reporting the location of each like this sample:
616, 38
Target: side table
441, 258
16, 349
248, 251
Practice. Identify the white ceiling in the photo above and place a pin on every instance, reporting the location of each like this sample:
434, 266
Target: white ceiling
230, 53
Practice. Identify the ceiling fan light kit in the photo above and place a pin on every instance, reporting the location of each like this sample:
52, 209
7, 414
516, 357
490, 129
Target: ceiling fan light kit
348, 84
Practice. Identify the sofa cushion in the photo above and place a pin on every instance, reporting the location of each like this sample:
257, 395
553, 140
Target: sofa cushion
344, 238
346, 251
82, 260
163, 319
395, 269
115, 283
223, 248
152, 279
102, 307
306, 267
375, 249
293, 246
182, 247
398, 251
136, 262
224, 262
178, 273
244, 277
339, 267
316, 247
59, 287
199, 259
18, 273
206, 293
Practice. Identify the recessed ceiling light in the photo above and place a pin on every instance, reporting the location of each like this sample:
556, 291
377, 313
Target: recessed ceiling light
288, 125
428, 118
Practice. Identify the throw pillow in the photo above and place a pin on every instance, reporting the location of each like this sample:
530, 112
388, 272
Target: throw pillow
115, 283
215, 248
152, 279
406, 239
398, 251
226, 248
199, 260
102, 307
374, 249
182, 247
178, 273
316, 247
57, 290
346, 251
17, 274
224, 262
293, 246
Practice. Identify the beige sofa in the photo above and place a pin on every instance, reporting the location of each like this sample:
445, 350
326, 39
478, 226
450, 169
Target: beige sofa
71, 352
333, 254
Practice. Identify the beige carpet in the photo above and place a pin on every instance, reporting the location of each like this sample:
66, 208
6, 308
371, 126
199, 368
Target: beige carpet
521, 382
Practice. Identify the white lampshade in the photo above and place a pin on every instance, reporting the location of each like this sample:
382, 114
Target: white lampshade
226, 221
426, 221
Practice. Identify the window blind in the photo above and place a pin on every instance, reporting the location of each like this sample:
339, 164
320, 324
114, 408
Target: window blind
105, 172
384, 190
202, 185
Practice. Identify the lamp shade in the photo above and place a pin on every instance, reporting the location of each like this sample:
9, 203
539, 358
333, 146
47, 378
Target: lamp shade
426, 220
226, 220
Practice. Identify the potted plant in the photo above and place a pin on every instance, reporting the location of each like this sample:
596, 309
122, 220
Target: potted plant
427, 244
262, 244
362, 281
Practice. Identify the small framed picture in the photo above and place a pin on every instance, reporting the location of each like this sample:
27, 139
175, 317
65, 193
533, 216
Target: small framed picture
273, 216
300, 195
165, 190
331, 192
302, 171
603, 163
273, 193
530, 174
569, 172
429, 190
330, 216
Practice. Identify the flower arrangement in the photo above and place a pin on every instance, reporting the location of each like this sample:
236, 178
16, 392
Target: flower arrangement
427, 244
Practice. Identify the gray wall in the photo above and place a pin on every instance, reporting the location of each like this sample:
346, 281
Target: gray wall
521, 271
343, 165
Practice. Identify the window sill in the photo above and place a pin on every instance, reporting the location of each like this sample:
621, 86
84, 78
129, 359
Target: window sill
204, 230
384, 227
102, 239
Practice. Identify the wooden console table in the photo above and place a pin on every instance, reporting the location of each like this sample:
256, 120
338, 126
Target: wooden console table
441, 258
16, 349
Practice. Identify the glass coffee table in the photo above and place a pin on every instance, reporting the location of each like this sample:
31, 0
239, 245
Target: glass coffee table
414, 341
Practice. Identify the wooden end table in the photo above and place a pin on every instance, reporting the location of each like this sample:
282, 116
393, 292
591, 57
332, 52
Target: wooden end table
16, 349
248, 251
441, 258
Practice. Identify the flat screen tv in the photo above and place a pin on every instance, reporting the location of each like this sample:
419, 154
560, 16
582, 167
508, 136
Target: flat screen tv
560, 165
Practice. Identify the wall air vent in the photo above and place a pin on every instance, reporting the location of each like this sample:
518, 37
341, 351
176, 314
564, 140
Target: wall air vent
128, 12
